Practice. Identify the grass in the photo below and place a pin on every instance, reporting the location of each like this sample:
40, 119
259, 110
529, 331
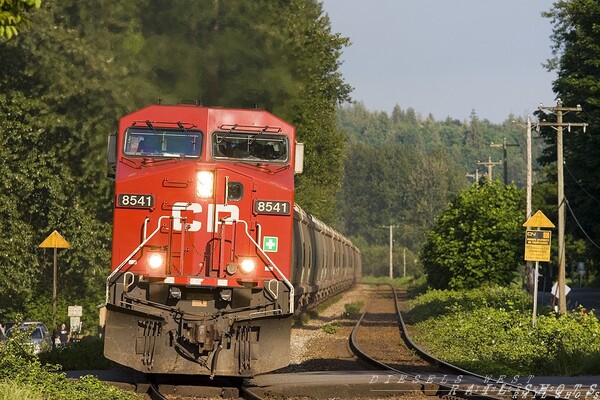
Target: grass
24, 375
352, 310
489, 331
329, 328
86, 354
16, 391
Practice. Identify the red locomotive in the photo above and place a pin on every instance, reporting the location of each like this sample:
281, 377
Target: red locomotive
210, 255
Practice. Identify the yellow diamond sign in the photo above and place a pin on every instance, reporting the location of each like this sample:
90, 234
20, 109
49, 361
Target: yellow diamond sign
538, 220
56, 241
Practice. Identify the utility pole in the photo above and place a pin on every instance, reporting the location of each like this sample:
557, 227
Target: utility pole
504, 157
474, 176
558, 125
529, 167
531, 274
528, 211
391, 227
489, 164
391, 251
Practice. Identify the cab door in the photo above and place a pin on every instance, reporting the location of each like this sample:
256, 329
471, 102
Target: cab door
231, 221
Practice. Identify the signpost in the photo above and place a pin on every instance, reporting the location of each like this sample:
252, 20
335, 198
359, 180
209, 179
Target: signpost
75, 313
580, 271
537, 248
55, 241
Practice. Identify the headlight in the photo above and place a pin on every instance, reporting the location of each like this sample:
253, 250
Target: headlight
204, 184
155, 260
247, 266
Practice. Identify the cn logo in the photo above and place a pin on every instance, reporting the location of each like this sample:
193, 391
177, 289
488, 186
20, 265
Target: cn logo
215, 213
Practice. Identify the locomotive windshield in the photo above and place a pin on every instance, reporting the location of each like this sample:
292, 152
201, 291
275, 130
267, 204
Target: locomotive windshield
251, 146
150, 142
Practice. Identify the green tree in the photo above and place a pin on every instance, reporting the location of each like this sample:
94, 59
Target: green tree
314, 53
13, 13
477, 240
277, 56
403, 169
577, 64
65, 85
399, 185
55, 110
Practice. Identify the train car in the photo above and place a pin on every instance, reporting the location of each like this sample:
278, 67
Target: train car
210, 255
324, 261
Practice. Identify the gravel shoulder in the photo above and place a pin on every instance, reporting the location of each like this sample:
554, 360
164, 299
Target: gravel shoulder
314, 349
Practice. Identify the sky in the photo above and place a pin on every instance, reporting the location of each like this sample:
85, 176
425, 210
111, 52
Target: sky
447, 57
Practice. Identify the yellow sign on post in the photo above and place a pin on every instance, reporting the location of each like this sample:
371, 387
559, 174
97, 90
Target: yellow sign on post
537, 248
537, 245
538, 220
55, 241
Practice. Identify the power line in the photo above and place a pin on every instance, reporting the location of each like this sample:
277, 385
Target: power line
579, 225
475, 176
578, 184
490, 165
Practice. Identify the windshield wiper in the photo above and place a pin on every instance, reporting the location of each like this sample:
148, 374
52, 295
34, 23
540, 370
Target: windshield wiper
227, 134
254, 137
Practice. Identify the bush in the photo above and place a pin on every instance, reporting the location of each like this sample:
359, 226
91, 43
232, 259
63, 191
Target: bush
29, 376
478, 239
436, 302
88, 353
490, 332
353, 309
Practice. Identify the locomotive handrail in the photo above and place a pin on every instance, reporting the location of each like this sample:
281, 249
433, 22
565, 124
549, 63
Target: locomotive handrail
133, 253
271, 263
146, 239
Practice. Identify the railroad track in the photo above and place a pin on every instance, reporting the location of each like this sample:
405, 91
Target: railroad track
167, 389
444, 379
387, 363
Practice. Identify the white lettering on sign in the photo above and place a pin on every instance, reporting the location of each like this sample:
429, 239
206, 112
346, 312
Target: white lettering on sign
223, 213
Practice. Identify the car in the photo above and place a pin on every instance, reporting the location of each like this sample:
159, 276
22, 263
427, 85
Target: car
40, 338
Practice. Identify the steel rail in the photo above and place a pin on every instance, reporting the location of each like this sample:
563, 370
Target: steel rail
516, 388
508, 389
249, 395
154, 392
